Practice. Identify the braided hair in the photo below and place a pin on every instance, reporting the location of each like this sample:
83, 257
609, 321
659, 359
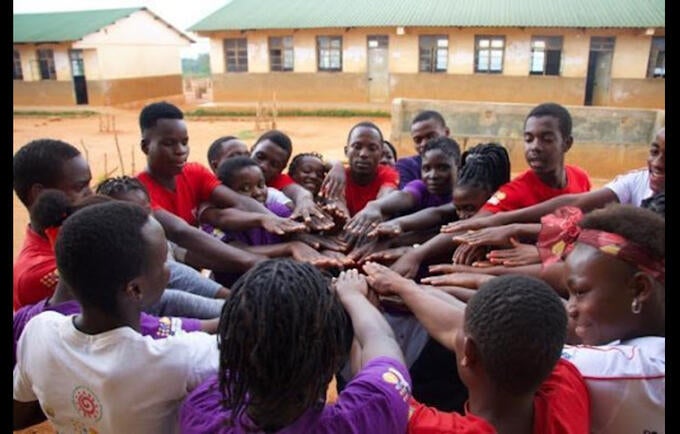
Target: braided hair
282, 335
120, 184
485, 166
296, 160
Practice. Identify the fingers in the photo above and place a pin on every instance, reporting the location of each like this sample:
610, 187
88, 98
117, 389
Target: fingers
441, 269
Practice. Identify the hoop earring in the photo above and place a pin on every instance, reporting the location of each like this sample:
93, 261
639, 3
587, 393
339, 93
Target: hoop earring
636, 306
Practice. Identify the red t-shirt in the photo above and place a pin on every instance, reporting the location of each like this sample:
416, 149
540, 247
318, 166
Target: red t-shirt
357, 196
527, 189
35, 270
192, 187
281, 181
561, 406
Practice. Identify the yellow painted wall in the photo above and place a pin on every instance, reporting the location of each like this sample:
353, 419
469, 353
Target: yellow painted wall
107, 92
29, 61
120, 61
43, 92
628, 50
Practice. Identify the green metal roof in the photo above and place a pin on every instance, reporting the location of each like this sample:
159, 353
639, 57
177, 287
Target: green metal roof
300, 14
70, 26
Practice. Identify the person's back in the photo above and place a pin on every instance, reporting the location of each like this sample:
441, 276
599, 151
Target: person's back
94, 370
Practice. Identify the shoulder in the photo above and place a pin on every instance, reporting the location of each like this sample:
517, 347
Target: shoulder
634, 176
386, 173
202, 410
411, 161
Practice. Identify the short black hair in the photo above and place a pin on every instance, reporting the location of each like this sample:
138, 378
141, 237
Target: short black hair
216, 147
485, 166
426, 115
656, 203
279, 138
519, 326
367, 124
392, 148
40, 161
53, 207
447, 145
151, 113
292, 167
229, 167
282, 335
100, 249
555, 110
121, 184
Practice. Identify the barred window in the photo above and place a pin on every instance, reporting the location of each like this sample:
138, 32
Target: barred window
433, 53
18, 73
281, 54
546, 55
46, 64
329, 53
657, 58
489, 52
236, 54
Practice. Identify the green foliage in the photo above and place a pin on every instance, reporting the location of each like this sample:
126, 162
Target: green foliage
63, 114
199, 67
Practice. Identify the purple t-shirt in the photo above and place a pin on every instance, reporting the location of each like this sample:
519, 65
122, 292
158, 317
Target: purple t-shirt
409, 169
424, 199
156, 327
375, 401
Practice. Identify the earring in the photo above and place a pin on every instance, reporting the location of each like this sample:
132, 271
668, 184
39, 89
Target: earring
636, 306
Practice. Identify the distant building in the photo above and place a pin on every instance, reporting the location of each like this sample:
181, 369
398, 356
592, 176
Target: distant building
575, 52
98, 57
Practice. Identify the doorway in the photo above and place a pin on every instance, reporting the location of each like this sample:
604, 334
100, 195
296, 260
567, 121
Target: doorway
378, 71
78, 74
599, 76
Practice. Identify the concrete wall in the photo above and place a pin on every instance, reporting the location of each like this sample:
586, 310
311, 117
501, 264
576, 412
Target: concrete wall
45, 92
107, 92
629, 86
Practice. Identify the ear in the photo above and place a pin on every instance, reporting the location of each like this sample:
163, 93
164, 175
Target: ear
567, 143
34, 191
470, 355
144, 143
642, 286
447, 131
133, 290
346, 149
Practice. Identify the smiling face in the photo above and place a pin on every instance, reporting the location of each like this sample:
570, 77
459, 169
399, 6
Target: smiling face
544, 145
309, 173
656, 162
166, 146
271, 158
438, 172
249, 181
364, 152
600, 295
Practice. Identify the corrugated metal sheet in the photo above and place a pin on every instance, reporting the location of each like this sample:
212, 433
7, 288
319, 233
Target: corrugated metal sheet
279, 14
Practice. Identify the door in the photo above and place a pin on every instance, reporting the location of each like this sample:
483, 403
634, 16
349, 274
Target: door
78, 74
598, 80
378, 72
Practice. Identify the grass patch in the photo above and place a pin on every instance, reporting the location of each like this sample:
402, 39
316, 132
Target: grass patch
331, 113
62, 114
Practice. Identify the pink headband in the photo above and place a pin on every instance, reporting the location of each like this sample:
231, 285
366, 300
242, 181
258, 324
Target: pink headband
560, 232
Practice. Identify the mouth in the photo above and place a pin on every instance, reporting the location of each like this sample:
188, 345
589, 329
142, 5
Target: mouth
363, 165
656, 172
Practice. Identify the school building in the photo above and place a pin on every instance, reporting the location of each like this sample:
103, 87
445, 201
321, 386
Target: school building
575, 52
97, 57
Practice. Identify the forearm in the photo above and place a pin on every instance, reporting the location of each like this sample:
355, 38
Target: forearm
233, 219
439, 246
453, 294
392, 203
224, 197
427, 218
277, 250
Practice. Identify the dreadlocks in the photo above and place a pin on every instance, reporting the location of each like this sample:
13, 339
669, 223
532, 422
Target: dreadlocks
282, 335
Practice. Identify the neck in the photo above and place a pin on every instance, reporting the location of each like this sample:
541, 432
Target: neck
508, 413
93, 321
362, 179
166, 181
284, 417
556, 179
61, 294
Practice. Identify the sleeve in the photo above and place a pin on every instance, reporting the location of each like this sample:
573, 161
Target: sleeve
36, 282
202, 356
506, 198
279, 209
281, 181
429, 420
388, 177
417, 189
623, 186
206, 181
614, 361
162, 327
22, 385
376, 399
277, 196
201, 411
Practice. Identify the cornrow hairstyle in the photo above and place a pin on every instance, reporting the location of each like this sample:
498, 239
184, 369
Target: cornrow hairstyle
100, 249
121, 184
427, 115
447, 145
53, 207
519, 326
366, 124
556, 111
282, 335
485, 166
392, 149
227, 171
216, 147
292, 167
279, 138
151, 113
641, 226
656, 203
40, 161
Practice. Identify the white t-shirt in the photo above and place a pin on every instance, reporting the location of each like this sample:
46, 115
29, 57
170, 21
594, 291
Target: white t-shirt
275, 195
632, 187
113, 382
627, 384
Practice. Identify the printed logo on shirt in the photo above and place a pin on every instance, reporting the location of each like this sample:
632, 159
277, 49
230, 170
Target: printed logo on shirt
50, 279
496, 198
168, 327
86, 403
392, 376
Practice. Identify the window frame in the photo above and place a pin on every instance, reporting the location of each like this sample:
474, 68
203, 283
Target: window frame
325, 50
430, 47
238, 54
284, 46
551, 44
657, 51
490, 50
18, 70
46, 67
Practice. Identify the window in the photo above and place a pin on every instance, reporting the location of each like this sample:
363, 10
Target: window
46, 64
329, 53
546, 53
18, 74
657, 58
281, 54
433, 53
489, 54
236, 54
77, 64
